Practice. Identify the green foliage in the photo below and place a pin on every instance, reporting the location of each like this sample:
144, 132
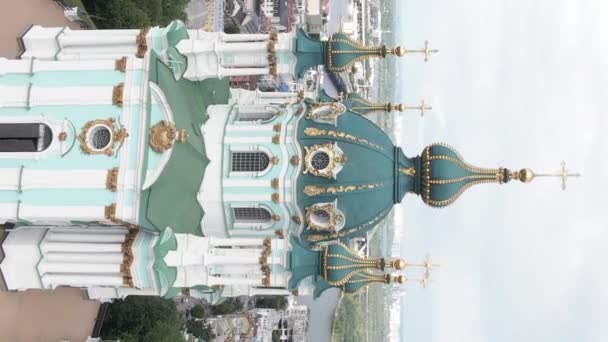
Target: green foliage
140, 318
200, 329
232, 29
123, 14
199, 311
271, 302
232, 305
276, 336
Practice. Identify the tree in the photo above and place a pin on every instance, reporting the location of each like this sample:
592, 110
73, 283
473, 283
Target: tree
140, 318
200, 329
199, 311
232, 29
271, 302
276, 336
232, 305
121, 14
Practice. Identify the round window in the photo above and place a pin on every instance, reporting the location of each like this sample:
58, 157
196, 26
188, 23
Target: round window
320, 161
321, 216
100, 137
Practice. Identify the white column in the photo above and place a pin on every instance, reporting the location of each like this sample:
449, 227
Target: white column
35, 213
15, 66
14, 96
97, 258
101, 33
236, 280
243, 71
106, 64
82, 40
277, 95
231, 260
40, 96
244, 47
84, 237
82, 280
80, 247
240, 242
269, 291
245, 37
72, 267
241, 269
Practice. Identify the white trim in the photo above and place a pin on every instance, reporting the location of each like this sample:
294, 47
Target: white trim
14, 95
143, 129
73, 65
247, 140
60, 212
297, 172
159, 97
284, 168
245, 182
14, 179
245, 197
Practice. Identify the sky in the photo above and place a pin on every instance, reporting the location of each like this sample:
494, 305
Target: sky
519, 83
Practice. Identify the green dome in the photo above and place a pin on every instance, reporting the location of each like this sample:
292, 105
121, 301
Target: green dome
445, 175
338, 54
343, 52
336, 265
368, 176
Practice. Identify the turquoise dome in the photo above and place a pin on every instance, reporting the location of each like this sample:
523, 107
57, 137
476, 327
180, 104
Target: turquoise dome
338, 54
445, 175
372, 175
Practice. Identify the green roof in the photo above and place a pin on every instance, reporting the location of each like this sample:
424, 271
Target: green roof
172, 200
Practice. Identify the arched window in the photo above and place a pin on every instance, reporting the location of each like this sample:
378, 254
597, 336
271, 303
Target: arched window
256, 161
25, 137
258, 113
251, 215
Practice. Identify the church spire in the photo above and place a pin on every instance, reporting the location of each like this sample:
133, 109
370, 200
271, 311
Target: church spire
442, 175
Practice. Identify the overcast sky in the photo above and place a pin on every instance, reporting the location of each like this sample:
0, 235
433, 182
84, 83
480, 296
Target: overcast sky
519, 83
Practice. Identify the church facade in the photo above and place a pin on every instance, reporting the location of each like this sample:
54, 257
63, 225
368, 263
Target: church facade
128, 166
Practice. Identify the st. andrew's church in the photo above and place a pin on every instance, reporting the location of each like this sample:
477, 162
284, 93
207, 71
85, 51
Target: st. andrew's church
129, 167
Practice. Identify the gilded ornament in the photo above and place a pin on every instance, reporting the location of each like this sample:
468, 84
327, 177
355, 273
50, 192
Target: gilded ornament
162, 136
335, 159
117, 94
313, 190
121, 64
275, 197
279, 233
276, 217
276, 139
142, 43
274, 160
295, 160
274, 36
325, 111
110, 212
271, 46
274, 183
296, 219
335, 218
63, 136
277, 127
112, 179
408, 171
118, 137
182, 136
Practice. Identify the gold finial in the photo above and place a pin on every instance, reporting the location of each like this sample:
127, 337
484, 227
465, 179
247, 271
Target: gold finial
403, 107
401, 279
399, 264
400, 51
527, 175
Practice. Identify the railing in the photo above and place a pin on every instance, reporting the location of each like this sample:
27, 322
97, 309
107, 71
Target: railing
101, 315
80, 14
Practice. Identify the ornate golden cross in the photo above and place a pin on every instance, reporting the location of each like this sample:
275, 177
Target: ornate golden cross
564, 174
427, 51
422, 108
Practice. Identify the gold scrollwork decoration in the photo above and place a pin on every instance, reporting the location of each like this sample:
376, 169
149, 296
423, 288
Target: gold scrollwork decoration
162, 136
112, 179
314, 190
335, 159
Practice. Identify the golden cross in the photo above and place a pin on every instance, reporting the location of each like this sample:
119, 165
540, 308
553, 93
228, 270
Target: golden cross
422, 108
564, 174
427, 51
